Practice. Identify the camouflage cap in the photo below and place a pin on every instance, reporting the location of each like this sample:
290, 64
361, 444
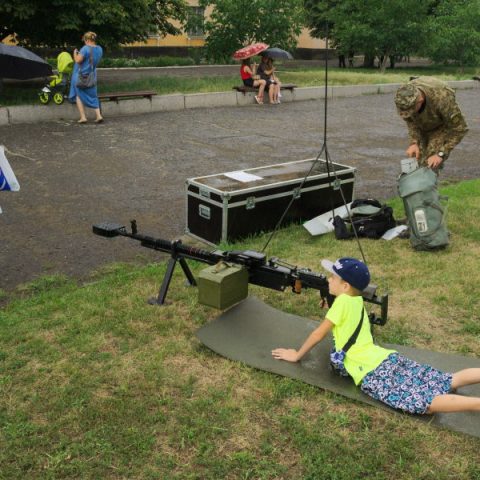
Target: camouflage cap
406, 97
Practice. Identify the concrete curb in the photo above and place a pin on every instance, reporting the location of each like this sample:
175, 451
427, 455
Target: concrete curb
208, 100
163, 103
41, 113
4, 120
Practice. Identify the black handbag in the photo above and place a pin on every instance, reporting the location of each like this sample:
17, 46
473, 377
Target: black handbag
372, 222
89, 80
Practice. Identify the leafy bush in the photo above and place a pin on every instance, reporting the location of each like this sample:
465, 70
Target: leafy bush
146, 62
120, 62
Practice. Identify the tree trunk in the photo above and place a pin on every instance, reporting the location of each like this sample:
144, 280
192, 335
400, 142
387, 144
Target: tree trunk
368, 60
383, 63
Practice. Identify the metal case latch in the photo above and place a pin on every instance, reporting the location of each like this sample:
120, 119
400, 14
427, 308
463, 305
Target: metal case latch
204, 211
204, 193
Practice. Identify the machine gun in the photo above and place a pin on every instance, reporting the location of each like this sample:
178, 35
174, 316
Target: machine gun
270, 273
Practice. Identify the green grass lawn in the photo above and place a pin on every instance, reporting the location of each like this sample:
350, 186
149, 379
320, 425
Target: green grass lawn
18, 95
97, 384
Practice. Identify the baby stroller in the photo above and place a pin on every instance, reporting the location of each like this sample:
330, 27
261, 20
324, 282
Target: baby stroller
60, 84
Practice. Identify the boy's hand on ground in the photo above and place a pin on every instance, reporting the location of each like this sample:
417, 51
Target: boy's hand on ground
287, 354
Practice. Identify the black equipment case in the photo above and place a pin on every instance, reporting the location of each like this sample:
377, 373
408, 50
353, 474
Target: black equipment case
232, 205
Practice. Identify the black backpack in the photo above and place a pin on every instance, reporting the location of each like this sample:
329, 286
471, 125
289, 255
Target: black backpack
370, 218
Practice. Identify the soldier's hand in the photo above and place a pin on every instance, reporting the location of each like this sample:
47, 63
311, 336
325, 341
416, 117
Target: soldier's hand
434, 161
413, 151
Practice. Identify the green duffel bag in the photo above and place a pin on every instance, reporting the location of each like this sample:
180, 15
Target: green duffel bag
425, 209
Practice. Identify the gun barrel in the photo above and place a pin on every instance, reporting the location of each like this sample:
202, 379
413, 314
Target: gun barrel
110, 230
176, 248
272, 274
107, 229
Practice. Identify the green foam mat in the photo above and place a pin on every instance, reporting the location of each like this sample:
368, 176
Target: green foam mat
250, 330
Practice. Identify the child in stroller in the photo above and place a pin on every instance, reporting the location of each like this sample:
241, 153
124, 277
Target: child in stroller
59, 85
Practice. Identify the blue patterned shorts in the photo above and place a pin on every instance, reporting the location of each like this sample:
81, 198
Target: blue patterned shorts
405, 384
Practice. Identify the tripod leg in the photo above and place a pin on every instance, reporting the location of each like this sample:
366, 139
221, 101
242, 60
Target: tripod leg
160, 300
187, 272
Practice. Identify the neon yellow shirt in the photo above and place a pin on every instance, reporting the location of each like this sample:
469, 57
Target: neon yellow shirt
363, 356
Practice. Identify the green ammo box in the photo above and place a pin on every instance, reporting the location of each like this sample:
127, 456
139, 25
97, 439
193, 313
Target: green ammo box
222, 285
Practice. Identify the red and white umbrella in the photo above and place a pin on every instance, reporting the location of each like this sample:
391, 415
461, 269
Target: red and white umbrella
250, 51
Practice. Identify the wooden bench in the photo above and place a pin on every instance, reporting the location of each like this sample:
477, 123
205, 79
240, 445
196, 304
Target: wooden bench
116, 96
244, 89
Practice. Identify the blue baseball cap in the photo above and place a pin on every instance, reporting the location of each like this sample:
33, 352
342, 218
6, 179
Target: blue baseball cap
351, 270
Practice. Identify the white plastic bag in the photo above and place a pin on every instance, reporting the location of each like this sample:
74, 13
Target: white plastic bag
8, 181
324, 222
394, 232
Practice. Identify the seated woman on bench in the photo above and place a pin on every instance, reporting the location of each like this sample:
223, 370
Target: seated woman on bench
266, 70
247, 75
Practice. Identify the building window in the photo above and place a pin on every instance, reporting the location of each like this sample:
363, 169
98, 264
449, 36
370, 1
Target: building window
195, 21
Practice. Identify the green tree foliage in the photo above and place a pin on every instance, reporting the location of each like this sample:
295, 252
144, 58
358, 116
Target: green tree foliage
454, 32
319, 15
237, 23
372, 27
59, 23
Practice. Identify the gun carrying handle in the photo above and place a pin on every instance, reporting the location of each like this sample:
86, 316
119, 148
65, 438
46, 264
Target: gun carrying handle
221, 265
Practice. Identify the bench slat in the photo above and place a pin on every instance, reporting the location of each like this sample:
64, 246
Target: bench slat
244, 89
115, 96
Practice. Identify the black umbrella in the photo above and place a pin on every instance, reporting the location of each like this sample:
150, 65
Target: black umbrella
277, 53
21, 64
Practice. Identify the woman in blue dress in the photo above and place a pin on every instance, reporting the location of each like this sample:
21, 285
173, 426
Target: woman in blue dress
86, 97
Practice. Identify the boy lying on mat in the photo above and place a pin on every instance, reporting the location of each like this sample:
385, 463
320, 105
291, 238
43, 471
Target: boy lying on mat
382, 374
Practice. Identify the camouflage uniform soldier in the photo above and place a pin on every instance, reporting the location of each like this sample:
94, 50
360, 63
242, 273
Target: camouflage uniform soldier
434, 120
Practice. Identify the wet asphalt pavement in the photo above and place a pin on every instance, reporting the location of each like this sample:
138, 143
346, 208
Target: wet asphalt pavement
72, 176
